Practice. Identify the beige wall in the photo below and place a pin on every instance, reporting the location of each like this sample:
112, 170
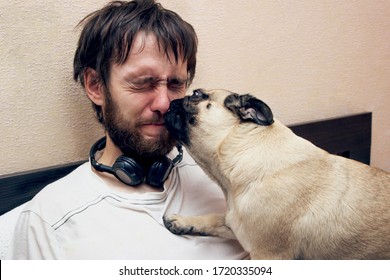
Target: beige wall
307, 59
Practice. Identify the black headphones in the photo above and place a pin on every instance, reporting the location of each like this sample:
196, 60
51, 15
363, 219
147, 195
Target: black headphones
128, 171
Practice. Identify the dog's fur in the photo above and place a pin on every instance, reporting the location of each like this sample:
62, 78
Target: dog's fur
286, 198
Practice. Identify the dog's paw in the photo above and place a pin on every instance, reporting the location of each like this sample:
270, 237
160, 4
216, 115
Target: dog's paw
178, 225
173, 224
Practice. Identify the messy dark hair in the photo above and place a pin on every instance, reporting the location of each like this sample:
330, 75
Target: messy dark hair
108, 34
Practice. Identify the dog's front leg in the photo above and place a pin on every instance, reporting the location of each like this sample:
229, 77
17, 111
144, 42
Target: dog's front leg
212, 224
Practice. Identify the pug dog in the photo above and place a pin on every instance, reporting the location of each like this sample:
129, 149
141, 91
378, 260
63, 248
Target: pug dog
286, 198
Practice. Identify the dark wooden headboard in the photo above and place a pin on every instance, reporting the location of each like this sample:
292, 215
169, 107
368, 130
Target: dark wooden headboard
348, 136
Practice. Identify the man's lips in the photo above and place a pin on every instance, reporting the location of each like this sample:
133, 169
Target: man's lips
152, 121
152, 126
156, 124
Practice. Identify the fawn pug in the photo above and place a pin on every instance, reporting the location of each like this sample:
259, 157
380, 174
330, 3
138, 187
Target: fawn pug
286, 198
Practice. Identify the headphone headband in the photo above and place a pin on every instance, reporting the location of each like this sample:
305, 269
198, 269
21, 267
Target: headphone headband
128, 171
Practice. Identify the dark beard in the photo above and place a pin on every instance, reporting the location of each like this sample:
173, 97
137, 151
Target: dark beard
126, 135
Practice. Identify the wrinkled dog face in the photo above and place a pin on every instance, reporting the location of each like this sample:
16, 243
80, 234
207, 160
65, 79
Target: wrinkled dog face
205, 118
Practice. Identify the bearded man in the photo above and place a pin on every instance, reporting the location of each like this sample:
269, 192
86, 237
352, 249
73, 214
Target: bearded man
132, 59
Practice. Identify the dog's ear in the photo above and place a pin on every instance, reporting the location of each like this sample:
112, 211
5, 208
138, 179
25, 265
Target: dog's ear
249, 108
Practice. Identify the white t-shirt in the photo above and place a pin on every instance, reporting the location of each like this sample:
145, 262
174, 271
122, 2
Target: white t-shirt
80, 217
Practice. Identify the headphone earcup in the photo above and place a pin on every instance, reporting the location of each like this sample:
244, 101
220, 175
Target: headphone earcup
128, 171
158, 172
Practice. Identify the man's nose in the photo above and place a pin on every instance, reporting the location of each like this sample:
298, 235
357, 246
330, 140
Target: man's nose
161, 99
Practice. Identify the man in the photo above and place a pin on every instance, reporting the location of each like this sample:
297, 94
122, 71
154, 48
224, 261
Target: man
133, 58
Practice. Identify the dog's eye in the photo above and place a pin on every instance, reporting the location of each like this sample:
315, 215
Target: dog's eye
208, 106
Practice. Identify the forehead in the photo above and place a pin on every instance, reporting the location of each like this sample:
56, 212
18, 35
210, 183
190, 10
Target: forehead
218, 95
147, 58
144, 42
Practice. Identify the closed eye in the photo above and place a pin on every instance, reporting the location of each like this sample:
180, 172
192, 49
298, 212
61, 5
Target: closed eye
150, 83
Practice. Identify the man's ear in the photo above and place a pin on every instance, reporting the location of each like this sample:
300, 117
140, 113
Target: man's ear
93, 86
249, 108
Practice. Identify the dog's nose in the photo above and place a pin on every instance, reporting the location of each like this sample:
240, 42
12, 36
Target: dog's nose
198, 94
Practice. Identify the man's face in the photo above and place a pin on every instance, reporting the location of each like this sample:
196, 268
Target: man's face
140, 92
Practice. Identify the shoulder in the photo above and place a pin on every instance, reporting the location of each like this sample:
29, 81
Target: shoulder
66, 185
64, 195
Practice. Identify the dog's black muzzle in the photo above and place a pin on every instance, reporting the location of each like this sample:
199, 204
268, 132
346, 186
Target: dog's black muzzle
175, 121
182, 114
